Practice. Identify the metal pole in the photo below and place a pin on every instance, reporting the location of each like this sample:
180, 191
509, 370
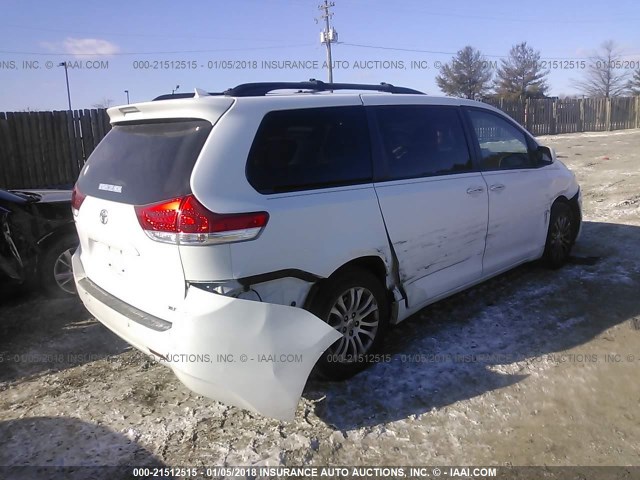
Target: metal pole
66, 75
127, 92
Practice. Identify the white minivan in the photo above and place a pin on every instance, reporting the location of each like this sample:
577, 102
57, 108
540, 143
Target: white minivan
244, 238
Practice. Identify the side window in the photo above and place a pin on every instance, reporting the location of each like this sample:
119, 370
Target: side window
310, 148
422, 140
502, 145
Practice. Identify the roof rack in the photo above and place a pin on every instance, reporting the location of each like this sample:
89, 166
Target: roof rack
313, 85
260, 89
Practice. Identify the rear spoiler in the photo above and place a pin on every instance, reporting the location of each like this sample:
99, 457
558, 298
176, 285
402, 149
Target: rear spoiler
210, 110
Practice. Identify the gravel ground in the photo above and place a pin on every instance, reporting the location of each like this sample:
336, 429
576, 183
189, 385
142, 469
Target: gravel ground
535, 367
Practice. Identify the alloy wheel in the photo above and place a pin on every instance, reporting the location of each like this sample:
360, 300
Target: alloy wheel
355, 314
63, 272
561, 235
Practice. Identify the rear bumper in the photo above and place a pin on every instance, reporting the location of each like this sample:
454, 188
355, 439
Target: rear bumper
249, 354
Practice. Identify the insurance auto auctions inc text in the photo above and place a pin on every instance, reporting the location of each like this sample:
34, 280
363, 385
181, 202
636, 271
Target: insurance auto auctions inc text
231, 64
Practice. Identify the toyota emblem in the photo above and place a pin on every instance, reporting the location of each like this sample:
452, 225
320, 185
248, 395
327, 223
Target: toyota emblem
104, 217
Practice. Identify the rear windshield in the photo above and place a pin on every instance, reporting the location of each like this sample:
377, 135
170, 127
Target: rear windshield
140, 163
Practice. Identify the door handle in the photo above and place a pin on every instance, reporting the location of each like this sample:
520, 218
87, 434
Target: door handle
472, 190
497, 187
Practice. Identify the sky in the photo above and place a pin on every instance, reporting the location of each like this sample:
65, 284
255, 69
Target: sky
150, 47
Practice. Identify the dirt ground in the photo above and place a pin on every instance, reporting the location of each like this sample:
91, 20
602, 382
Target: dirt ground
535, 367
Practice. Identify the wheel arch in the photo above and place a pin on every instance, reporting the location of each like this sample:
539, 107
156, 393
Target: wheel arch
371, 263
53, 236
49, 238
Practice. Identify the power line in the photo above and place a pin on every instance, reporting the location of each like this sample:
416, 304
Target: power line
436, 52
274, 47
140, 35
523, 19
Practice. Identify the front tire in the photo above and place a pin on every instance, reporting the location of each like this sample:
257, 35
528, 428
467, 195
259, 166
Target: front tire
560, 236
56, 273
354, 303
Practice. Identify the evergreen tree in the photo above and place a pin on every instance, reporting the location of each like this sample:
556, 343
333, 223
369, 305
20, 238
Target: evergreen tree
468, 75
521, 75
634, 83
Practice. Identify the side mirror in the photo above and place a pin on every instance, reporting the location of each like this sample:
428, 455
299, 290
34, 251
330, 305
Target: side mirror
545, 155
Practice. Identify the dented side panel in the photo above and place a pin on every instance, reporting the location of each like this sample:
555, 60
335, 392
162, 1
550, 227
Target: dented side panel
438, 231
285, 291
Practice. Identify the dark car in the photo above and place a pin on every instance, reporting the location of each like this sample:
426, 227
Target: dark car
37, 239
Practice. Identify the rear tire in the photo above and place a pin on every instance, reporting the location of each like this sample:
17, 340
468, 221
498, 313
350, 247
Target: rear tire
560, 236
55, 271
354, 303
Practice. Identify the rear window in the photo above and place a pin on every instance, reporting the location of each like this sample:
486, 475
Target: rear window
422, 141
140, 163
310, 148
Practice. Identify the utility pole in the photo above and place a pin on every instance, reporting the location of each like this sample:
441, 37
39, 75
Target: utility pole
328, 35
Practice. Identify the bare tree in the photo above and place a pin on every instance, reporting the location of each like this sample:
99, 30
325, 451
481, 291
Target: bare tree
521, 74
634, 83
104, 103
468, 75
604, 76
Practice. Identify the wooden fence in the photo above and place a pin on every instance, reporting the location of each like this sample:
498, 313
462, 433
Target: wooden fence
48, 149
550, 116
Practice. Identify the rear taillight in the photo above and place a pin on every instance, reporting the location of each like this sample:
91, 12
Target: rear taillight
185, 221
77, 197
